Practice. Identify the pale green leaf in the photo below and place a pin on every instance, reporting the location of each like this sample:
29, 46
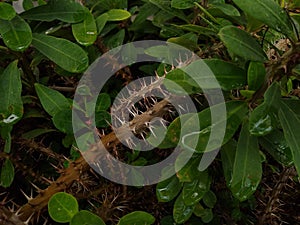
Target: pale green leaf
85, 32
62, 207
118, 15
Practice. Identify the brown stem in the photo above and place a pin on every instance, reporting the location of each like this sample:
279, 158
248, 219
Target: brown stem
74, 171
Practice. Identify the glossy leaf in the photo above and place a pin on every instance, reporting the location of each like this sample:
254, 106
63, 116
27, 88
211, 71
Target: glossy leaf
247, 168
269, 12
11, 107
62, 207
168, 189
194, 191
277, 147
118, 15
260, 122
242, 44
264, 118
137, 218
7, 12
182, 4
64, 53
256, 75
291, 124
7, 173
85, 32
182, 212
236, 111
67, 11
85, 217
62, 120
16, 33
52, 100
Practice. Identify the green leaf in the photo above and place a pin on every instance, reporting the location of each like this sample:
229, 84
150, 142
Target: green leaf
210, 199
62, 120
197, 29
52, 100
194, 191
7, 12
64, 53
67, 11
6, 136
115, 40
118, 15
102, 118
264, 118
16, 33
247, 168
85, 217
227, 156
228, 75
7, 173
101, 21
103, 102
168, 189
137, 218
207, 216
181, 212
11, 107
85, 32
36, 132
62, 207
256, 75
276, 145
223, 10
189, 171
27, 4
270, 13
260, 122
242, 44
182, 4
236, 111
166, 7
290, 123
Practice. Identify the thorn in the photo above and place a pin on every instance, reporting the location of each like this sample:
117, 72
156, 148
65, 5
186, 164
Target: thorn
26, 196
36, 187
47, 180
29, 218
